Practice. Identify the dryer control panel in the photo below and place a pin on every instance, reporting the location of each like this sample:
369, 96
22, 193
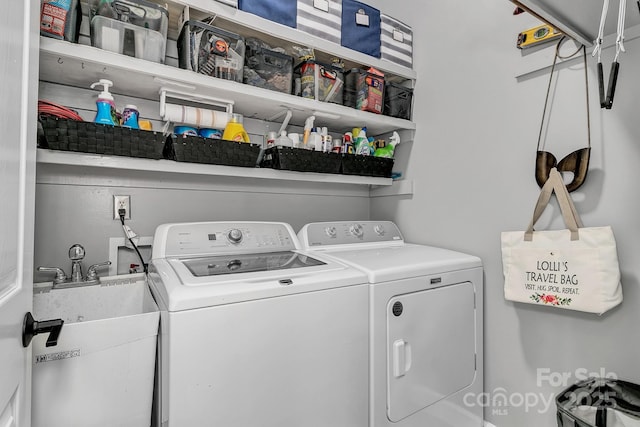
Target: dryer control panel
211, 238
319, 234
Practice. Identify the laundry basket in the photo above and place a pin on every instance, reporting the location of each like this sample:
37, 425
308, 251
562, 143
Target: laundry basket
599, 402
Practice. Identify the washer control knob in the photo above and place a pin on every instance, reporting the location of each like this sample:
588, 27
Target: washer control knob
356, 230
331, 231
234, 235
379, 229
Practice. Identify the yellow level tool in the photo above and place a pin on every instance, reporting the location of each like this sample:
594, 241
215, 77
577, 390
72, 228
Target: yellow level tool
537, 35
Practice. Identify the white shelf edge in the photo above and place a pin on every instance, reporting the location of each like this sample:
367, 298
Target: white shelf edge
403, 187
162, 166
295, 36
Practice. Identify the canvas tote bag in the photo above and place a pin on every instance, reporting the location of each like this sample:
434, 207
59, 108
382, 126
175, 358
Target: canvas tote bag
575, 268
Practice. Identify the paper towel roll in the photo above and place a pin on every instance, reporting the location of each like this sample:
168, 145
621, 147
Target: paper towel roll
199, 117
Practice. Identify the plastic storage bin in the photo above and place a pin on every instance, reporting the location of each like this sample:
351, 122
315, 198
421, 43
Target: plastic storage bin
396, 41
101, 371
131, 27
365, 91
320, 81
267, 68
397, 101
321, 18
361, 27
281, 11
599, 402
127, 39
212, 51
141, 13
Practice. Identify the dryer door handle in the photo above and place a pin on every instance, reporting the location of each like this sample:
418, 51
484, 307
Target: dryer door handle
401, 358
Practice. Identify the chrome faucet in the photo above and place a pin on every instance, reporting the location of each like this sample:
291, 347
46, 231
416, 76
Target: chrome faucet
76, 255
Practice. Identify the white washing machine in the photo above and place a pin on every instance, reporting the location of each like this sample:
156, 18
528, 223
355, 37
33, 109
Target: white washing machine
426, 354
254, 332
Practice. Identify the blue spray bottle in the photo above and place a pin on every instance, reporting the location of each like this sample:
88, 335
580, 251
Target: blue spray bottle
106, 106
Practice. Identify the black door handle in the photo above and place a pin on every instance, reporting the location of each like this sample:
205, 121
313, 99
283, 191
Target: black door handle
31, 328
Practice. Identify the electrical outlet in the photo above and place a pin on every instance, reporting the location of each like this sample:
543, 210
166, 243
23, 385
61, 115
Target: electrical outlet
121, 202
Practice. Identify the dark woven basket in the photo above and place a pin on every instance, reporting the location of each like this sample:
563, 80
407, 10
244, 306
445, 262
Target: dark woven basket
95, 138
196, 149
353, 164
301, 160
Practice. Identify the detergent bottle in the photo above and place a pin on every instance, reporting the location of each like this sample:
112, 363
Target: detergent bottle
130, 117
234, 131
106, 106
283, 140
361, 143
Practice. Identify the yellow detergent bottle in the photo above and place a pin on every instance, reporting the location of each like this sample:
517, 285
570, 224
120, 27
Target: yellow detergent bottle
234, 131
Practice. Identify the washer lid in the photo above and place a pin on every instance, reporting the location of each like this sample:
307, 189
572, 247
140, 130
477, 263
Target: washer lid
185, 283
382, 264
247, 263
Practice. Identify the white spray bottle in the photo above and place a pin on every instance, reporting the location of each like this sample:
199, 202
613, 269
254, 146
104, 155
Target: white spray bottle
308, 125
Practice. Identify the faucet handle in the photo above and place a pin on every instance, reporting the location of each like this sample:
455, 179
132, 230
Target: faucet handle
76, 252
61, 277
91, 272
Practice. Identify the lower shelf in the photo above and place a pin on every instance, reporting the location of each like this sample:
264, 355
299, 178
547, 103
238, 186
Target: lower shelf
54, 157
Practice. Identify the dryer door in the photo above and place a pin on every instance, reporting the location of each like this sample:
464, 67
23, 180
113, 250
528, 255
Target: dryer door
430, 347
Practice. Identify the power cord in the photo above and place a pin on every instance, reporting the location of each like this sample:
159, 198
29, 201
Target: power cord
57, 110
130, 235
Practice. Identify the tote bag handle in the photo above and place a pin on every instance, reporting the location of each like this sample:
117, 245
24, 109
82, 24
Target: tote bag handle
569, 213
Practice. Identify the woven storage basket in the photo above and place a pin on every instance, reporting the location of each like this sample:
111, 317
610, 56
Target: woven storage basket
196, 149
353, 164
301, 160
95, 138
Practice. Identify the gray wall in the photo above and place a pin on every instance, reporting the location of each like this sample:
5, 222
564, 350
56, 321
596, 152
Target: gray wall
473, 169
74, 207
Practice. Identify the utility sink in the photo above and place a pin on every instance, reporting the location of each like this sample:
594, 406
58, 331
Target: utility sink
101, 371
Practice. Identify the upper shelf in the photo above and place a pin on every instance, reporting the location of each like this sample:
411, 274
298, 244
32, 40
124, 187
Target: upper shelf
238, 21
580, 19
80, 65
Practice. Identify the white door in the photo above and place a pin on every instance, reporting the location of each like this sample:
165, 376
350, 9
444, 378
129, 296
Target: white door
18, 114
431, 347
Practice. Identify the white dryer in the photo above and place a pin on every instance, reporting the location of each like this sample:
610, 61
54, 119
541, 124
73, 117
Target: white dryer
426, 354
254, 332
